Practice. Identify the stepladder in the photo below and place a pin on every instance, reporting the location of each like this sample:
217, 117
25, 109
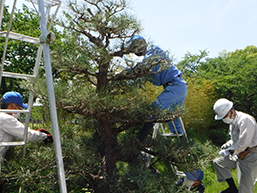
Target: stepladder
183, 178
8, 36
159, 128
42, 8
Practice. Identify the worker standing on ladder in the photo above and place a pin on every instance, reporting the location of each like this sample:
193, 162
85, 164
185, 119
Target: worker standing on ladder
240, 152
11, 128
175, 89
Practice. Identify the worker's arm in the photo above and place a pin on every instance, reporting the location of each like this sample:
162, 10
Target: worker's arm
15, 128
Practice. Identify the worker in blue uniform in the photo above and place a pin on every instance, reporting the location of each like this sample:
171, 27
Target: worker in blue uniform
175, 89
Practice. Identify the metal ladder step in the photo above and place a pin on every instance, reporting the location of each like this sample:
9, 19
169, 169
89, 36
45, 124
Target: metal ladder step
164, 134
14, 111
20, 37
171, 135
14, 143
18, 75
47, 3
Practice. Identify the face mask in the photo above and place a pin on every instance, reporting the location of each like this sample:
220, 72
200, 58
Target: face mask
228, 120
189, 183
16, 115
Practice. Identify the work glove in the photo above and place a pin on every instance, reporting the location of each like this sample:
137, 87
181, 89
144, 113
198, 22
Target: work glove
227, 144
49, 138
224, 152
228, 151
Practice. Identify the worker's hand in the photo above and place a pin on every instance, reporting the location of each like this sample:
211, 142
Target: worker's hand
49, 138
226, 145
224, 152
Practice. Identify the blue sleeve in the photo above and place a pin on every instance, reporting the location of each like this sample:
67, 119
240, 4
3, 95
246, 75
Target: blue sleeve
156, 54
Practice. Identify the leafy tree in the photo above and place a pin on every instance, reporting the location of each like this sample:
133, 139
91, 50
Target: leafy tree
189, 65
106, 90
199, 104
101, 87
233, 76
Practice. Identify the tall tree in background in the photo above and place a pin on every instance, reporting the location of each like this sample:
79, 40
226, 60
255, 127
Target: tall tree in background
233, 76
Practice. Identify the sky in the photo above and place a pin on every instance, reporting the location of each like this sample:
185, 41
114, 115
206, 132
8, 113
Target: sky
182, 26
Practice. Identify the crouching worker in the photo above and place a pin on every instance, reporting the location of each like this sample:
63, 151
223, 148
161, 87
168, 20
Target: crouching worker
240, 152
192, 181
11, 128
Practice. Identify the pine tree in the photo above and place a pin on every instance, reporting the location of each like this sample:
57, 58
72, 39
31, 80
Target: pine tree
97, 80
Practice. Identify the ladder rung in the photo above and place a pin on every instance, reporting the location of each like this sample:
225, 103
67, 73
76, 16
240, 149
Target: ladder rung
18, 75
13, 111
46, 2
171, 134
20, 37
179, 173
14, 143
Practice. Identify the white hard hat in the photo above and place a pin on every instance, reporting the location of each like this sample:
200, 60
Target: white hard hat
221, 108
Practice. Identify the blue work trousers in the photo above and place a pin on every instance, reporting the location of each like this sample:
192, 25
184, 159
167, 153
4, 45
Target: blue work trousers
172, 97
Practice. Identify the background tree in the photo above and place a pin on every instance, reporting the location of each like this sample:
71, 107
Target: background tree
233, 75
189, 65
198, 106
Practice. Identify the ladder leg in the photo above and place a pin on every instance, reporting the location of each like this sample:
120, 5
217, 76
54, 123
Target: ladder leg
1, 12
155, 130
183, 128
175, 129
21, 189
163, 131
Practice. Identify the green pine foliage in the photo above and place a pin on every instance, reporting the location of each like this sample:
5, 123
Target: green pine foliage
102, 106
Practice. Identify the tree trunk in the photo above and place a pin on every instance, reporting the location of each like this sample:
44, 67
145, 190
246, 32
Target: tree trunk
109, 139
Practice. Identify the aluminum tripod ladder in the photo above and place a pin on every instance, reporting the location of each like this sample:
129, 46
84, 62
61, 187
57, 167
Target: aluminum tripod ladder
44, 7
158, 128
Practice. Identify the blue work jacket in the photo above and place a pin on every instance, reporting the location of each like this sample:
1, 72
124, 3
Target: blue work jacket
172, 74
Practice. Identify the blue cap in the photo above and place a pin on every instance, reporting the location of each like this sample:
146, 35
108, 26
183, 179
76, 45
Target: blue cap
136, 37
195, 175
14, 97
137, 45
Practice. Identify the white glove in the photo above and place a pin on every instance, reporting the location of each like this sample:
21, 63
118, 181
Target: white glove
224, 152
227, 144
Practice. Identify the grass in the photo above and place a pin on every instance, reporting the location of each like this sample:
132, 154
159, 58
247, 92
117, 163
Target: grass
213, 186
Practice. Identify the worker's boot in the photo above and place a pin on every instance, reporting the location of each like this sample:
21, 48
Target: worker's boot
147, 127
229, 190
232, 187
